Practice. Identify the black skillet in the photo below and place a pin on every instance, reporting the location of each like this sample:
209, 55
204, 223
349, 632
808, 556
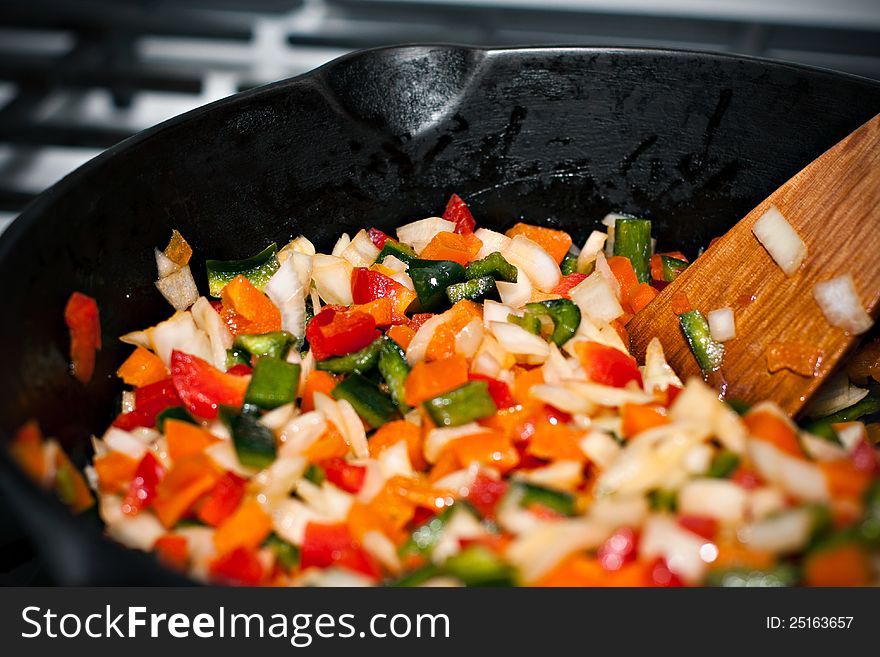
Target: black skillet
553, 136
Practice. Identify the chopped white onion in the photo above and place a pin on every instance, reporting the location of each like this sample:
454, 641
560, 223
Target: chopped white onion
600, 448
165, 265
209, 321
839, 302
361, 252
180, 333
332, 277
562, 398
380, 547
596, 298
721, 499
299, 434
179, 288
469, 338
698, 403
394, 460
657, 373
562, 475
492, 242
418, 346
301, 244
529, 258
836, 393
354, 432
515, 295
288, 292
801, 479
124, 442
495, 312
516, 340
439, 437
136, 531
781, 240
341, 245
682, 549
783, 533
604, 269
592, 247
721, 324
290, 517
418, 233
535, 553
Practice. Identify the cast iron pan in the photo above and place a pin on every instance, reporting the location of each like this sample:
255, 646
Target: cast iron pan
553, 136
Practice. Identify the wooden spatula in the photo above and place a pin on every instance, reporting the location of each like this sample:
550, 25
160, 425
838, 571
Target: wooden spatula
834, 205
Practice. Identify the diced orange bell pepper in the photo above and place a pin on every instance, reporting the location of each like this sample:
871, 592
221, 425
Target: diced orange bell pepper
172, 550
447, 463
185, 438
581, 570
178, 250
555, 441
401, 334
247, 310
523, 382
419, 492
555, 242
142, 368
460, 248
27, 450
246, 528
638, 418
626, 277
329, 444
493, 449
364, 518
115, 471
316, 381
641, 296
392, 506
442, 344
680, 304
81, 317
847, 564
382, 310
844, 479
733, 554
391, 433
427, 380
767, 426
187, 480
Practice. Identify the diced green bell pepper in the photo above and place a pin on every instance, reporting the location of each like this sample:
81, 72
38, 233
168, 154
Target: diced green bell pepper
173, 413
359, 362
394, 369
822, 427
254, 443
365, 397
236, 356
423, 537
315, 473
559, 501
274, 383
275, 344
662, 499
672, 267
464, 404
632, 239
477, 565
494, 265
257, 269
564, 314
431, 278
416, 577
569, 264
780, 575
708, 352
286, 554
869, 527
475, 289
723, 464
402, 252
529, 321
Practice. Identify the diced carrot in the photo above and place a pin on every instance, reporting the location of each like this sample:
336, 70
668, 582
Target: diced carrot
626, 277
523, 382
391, 433
27, 450
329, 444
115, 471
555, 441
555, 242
427, 380
247, 310
770, 427
246, 528
844, 565
401, 334
172, 550
142, 368
178, 250
844, 479
187, 480
641, 296
382, 310
638, 418
316, 381
581, 570
452, 246
491, 448
185, 438
680, 303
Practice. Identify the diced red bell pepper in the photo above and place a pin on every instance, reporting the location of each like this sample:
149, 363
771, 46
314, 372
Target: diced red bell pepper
172, 550
746, 477
333, 545
346, 476
149, 401
567, 283
81, 317
142, 489
240, 567
240, 369
378, 237
368, 285
864, 457
223, 499
662, 576
337, 331
704, 526
457, 212
202, 387
485, 493
607, 365
498, 390
618, 549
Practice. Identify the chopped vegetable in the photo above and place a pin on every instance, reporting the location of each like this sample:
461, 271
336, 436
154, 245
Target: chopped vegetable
335, 332
781, 240
365, 397
202, 388
274, 382
464, 404
254, 443
359, 362
431, 278
258, 269
839, 302
475, 289
458, 213
721, 324
555, 242
708, 352
395, 370
275, 344
81, 317
632, 239
564, 315
493, 265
